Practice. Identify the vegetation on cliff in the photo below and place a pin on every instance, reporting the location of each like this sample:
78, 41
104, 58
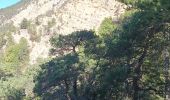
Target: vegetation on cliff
123, 60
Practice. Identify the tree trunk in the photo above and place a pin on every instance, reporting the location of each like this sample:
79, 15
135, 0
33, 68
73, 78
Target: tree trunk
74, 49
138, 74
67, 90
75, 88
75, 80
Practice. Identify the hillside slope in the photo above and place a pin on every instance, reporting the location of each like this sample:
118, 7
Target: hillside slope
69, 15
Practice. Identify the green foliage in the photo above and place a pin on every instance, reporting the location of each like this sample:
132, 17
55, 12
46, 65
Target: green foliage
19, 87
24, 52
71, 41
55, 71
51, 23
124, 63
37, 22
5, 31
32, 30
14, 94
34, 36
9, 39
7, 28
24, 24
17, 55
2, 40
67, 68
106, 27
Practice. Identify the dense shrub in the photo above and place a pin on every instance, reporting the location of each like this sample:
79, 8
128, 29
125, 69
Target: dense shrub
51, 23
24, 24
106, 27
17, 55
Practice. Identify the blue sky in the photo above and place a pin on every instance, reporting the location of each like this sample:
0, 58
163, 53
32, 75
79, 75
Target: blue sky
7, 3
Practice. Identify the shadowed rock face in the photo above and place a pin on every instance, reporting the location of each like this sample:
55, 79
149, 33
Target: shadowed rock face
69, 15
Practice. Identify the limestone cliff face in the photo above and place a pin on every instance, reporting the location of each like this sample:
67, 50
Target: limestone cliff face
69, 15
86, 14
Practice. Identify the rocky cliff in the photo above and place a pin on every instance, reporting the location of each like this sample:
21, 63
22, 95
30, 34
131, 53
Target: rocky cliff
69, 16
